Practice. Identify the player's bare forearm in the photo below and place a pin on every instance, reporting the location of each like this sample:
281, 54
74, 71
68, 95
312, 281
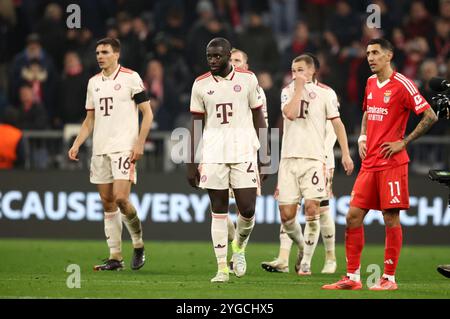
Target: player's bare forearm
147, 120
197, 126
291, 109
86, 129
364, 124
341, 135
427, 121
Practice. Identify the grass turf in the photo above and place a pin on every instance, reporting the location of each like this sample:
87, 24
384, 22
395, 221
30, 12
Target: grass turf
37, 269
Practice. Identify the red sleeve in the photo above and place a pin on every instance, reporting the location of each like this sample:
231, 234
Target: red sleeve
414, 100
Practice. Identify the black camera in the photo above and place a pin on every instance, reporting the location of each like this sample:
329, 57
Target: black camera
441, 102
441, 105
442, 177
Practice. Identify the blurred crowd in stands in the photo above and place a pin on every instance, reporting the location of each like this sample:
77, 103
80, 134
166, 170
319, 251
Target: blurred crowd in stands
45, 67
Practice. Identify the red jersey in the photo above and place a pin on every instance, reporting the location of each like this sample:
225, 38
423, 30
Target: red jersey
388, 105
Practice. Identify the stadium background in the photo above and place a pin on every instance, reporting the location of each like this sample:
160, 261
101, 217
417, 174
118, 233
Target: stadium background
44, 69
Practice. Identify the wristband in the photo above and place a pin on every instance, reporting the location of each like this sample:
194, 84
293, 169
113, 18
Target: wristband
362, 138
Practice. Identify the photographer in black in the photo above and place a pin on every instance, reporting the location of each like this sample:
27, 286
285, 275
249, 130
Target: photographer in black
441, 105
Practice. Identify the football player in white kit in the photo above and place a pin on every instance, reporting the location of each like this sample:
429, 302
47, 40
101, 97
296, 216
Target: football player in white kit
113, 101
327, 226
306, 108
239, 59
227, 103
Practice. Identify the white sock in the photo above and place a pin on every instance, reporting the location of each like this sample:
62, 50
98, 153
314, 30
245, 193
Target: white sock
312, 231
285, 245
134, 227
113, 232
389, 277
231, 229
294, 231
328, 231
219, 235
244, 227
356, 276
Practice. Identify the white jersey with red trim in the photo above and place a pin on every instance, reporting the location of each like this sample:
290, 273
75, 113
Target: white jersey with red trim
229, 135
116, 125
330, 135
304, 137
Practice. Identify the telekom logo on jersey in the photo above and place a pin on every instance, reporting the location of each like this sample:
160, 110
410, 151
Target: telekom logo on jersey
222, 112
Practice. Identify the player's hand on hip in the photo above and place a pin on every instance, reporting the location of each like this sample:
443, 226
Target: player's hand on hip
73, 153
362, 148
193, 175
347, 163
136, 153
390, 148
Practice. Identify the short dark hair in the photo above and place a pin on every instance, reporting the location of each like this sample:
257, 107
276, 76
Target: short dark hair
307, 58
114, 43
384, 44
220, 42
315, 60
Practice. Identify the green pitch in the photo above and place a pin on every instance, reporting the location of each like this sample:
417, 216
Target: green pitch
37, 269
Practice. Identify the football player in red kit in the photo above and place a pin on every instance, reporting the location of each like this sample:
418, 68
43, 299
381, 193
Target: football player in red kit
382, 183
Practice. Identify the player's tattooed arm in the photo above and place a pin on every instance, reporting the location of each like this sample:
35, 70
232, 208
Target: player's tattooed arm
428, 119
197, 126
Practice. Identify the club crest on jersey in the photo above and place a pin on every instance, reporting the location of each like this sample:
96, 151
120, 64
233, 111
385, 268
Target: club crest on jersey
312, 95
117, 87
237, 88
387, 96
203, 179
97, 89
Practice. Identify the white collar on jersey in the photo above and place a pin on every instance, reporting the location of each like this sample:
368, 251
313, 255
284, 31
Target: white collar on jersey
380, 85
113, 75
229, 77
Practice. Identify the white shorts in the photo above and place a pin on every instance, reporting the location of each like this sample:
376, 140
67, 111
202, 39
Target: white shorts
107, 168
301, 178
225, 176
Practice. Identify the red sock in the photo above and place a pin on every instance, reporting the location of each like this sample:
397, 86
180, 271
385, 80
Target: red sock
354, 244
392, 249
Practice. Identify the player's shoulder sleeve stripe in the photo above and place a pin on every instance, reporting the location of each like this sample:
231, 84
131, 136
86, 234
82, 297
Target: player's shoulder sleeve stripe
203, 76
197, 112
324, 86
373, 76
125, 70
243, 71
406, 82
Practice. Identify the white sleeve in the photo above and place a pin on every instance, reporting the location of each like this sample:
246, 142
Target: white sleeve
332, 105
197, 105
136, 85
89, 99
254, 93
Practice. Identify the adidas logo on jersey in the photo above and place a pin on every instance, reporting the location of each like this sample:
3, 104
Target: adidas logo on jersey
328, 236
369, 97
211, 92
309, 243
220, 246
394, 200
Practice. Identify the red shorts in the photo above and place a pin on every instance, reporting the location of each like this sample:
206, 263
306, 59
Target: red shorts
381, 190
